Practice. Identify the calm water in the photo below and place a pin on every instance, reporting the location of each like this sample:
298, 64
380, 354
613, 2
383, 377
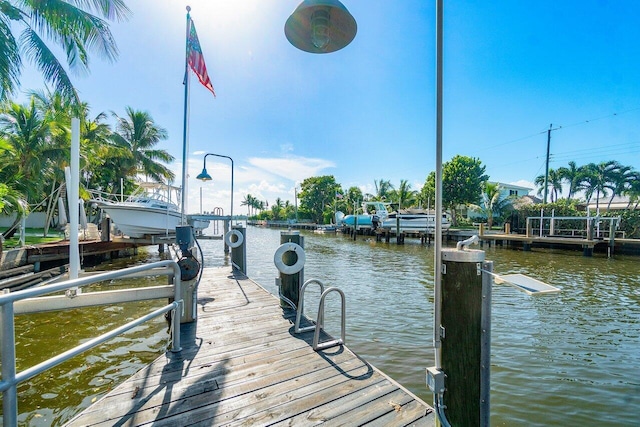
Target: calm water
571, 359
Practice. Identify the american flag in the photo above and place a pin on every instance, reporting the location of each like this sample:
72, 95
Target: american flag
196, 60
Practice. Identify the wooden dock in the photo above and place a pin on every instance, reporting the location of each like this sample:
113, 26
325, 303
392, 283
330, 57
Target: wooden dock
241, 364
587, 245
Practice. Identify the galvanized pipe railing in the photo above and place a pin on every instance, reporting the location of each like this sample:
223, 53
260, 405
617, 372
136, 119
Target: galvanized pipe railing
11, 379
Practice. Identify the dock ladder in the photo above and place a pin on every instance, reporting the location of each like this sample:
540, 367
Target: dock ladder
317, 345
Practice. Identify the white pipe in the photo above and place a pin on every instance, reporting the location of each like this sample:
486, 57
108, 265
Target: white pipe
23, 225
73, 192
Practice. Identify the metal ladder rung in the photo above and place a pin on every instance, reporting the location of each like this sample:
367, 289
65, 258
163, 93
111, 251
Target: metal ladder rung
316, 336
297, 329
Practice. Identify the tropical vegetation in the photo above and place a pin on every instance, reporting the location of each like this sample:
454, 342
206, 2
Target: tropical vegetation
465, 184
35, 140
32, 31
595, 180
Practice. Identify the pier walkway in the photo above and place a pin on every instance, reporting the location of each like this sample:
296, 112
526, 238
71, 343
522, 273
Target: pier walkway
241, 364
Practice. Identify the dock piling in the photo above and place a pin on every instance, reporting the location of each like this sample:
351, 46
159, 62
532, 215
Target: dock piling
239, 253
290, 283
466, 312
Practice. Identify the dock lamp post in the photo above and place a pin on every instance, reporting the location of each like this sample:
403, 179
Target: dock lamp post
204, 176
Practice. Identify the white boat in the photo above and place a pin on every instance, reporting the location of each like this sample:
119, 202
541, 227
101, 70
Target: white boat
414, 221
198, 224
322, 229
148, 211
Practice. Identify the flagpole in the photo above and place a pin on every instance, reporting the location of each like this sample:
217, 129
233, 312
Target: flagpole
185, 132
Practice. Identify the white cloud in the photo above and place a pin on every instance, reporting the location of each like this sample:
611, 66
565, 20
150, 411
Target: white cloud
293, 168
263, 178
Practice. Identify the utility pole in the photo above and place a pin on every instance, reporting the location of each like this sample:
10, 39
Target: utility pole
546, 173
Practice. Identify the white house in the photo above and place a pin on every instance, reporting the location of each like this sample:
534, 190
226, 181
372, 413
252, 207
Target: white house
507, 191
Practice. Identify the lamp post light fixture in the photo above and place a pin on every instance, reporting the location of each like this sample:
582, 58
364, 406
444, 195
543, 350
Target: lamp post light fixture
320, 26
204, 176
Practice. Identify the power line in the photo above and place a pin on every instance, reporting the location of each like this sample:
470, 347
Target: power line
582, 122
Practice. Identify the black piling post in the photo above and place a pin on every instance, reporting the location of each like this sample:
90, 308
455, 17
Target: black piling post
290, 284
466, 299
239, 254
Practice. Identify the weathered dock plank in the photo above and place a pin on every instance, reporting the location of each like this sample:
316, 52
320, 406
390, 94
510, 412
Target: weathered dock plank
241, 365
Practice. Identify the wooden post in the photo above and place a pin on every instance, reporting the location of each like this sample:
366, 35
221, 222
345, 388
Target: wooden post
239, 254
465, 321
507, 228
355, 225
612, 237
105, 230
290, 284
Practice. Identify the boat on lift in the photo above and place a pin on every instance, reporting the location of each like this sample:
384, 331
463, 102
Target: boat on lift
146, 212
373, 214
414, 221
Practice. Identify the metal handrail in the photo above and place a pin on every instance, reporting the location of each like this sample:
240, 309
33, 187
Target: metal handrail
27, 302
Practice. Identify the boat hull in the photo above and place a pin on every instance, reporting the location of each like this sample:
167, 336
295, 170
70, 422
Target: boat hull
139, 221
414, 223
364, 221
325, 229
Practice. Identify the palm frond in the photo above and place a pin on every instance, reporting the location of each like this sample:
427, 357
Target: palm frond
10, 62
109, 9
75, 30
39, 53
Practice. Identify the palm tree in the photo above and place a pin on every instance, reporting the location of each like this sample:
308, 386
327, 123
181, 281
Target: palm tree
554, 184
11, 200
33, 151
494, 204
259, 205
572, 176
74, 26
354, 197
405, 196
34, 148
597, 179
100, 158
382, 189
248, 202
135, 138
621, 179
634, 192
277, 208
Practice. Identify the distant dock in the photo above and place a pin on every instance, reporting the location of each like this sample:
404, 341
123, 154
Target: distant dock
241, 364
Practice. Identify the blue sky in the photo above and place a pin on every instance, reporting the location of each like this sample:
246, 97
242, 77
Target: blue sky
367, 112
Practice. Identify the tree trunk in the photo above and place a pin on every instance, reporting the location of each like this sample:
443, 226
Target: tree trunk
11, 231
